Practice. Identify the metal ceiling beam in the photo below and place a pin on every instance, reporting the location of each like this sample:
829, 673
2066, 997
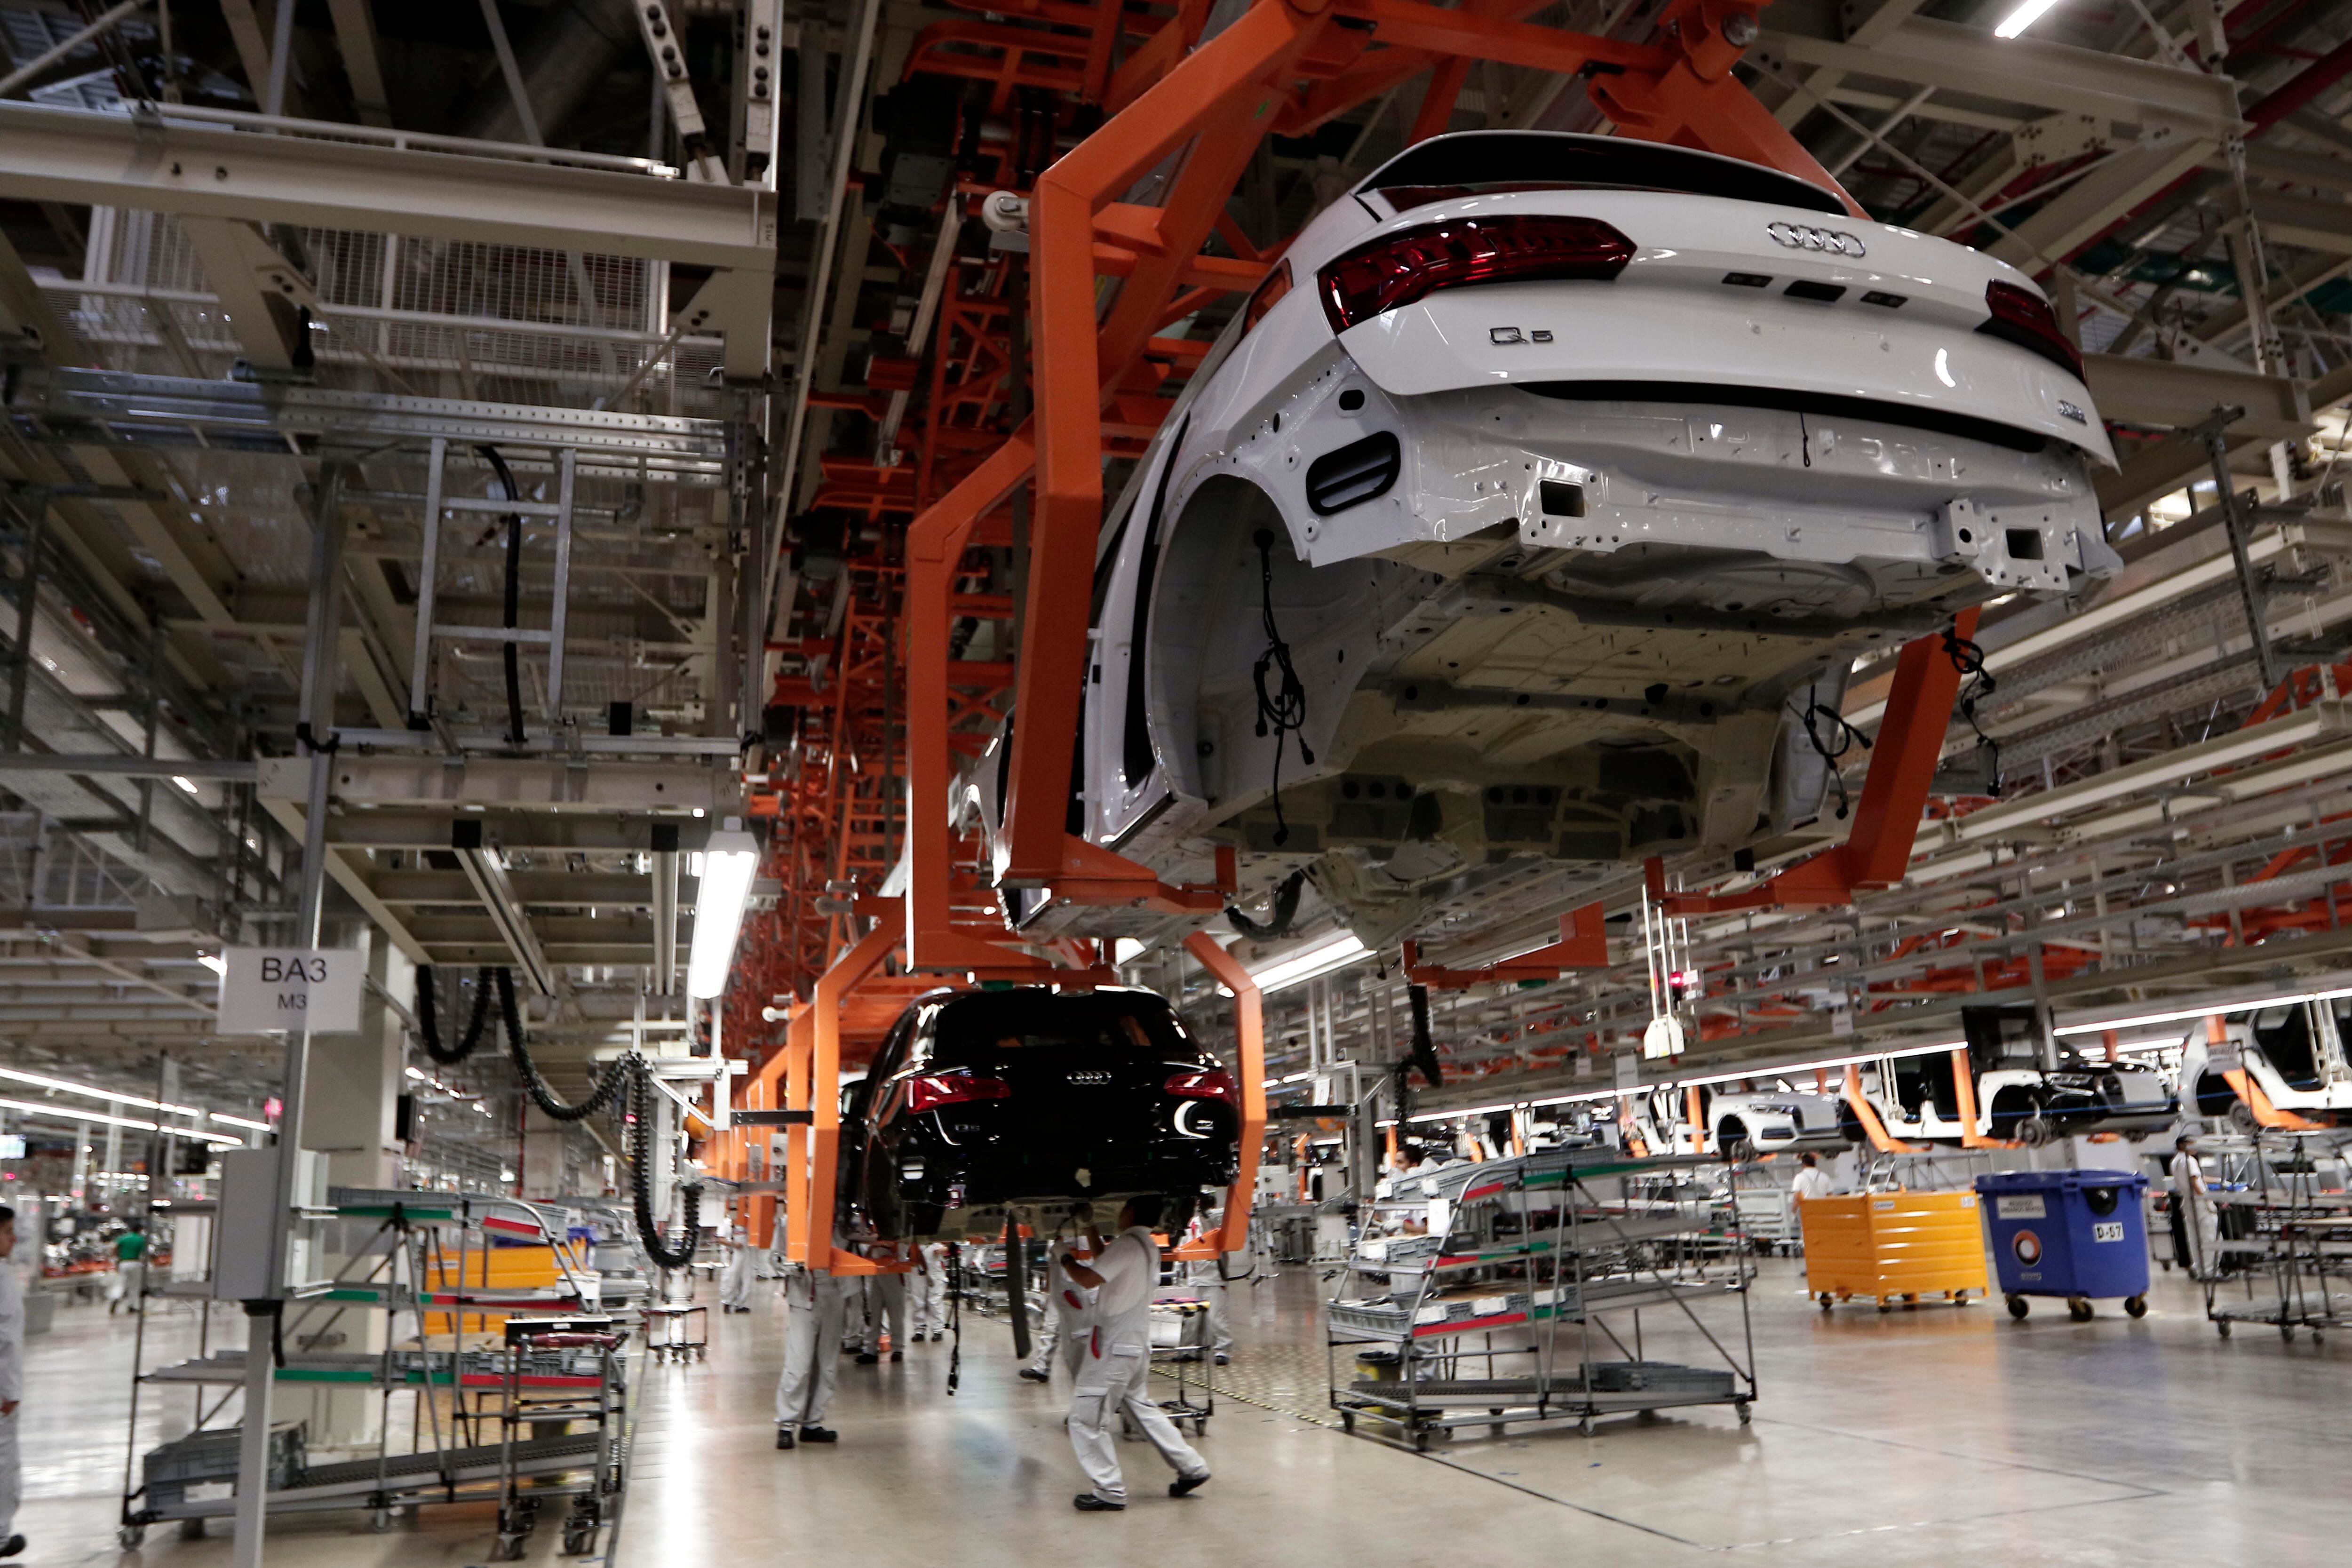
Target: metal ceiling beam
553, 785
500, 196
167, 163
2050, 76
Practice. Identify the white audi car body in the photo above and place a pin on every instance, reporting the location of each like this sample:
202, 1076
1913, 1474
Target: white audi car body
1531, 504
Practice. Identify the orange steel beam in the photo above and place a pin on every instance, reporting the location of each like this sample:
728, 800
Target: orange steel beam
1219, 94
1249, 1019
1964, 1089
1220, 100
2265, 1113
1583, 944
1894, 793
1866, 1114
817, 1088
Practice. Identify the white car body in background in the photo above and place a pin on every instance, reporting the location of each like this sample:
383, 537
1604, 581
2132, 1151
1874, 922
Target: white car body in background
2293, 1054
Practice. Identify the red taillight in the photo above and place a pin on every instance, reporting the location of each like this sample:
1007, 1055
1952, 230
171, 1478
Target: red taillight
1398, 269
1208, 1083
933, 1089
2022, 317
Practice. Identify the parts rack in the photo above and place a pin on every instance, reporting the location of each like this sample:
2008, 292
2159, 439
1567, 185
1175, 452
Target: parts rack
424, 1261
1511, 1251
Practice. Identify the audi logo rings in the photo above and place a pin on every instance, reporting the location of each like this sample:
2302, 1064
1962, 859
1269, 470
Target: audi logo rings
1805, 236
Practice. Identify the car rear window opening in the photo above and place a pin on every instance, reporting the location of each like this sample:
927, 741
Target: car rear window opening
1476, 160
1030, 1021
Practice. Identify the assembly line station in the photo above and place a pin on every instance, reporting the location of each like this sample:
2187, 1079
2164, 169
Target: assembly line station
1792, 1000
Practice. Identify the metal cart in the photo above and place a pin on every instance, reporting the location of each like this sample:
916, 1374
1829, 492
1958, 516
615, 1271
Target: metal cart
1513, 1250
1181, 1342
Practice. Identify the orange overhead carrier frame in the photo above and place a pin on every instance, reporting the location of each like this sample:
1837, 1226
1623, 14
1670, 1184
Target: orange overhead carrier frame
1283, 65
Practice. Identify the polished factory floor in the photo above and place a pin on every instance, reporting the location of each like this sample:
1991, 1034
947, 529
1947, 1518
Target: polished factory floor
1934, 1434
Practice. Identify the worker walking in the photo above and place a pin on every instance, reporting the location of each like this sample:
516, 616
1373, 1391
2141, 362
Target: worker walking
12, 1386
2200, 1239
1207, 1275
885, 1313
928, 1290
1065, 1331
814, 1303
130, 1272
735, 1281
1811, 1182
1117, 1363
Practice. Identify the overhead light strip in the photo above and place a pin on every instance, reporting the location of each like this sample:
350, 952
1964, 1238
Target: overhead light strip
2187, 1014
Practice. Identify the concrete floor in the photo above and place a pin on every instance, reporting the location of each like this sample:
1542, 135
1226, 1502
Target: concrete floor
1937, 1435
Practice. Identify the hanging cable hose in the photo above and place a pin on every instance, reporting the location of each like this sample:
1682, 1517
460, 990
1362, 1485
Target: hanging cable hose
1016, 1286
428, 1024
1424, 1049
1843, 736
608, 1084
1281, 910
631, 1073
512, 651
955, 1316
1968, 659
1284, 713
641, 1179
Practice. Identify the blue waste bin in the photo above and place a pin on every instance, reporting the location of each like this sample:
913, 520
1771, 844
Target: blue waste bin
2073, 1234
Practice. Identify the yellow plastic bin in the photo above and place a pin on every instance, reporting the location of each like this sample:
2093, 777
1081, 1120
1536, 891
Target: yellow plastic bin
1895, 1248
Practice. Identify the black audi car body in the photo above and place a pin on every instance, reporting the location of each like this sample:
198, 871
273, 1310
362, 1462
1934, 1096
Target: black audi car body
984, 1101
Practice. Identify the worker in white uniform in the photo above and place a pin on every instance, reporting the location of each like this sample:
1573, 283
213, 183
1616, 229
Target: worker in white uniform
12, 1387
1811, 1182
735, 1281
814, 1305
928, 1290
2201, 1223
1207, 1276
1119, 1362
1066, 1330
885, 1311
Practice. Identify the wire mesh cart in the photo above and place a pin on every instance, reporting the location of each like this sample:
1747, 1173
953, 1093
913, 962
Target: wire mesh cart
1180, 1344
547, 1405
2285, 1233
1522, 1298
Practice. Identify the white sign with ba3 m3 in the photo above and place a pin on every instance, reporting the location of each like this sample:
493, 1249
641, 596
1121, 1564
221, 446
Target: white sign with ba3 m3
278, 990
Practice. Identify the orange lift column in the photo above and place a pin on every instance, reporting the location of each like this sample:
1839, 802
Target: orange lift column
1249, 1019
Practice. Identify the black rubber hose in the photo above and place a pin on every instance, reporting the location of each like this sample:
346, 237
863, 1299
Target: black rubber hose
1424, 1049
641, 1179
1281, 910
955, 1318
513, 653
1016, 1287
428, 1025
608, 1085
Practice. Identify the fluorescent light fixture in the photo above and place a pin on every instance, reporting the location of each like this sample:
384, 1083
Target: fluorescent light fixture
245, 1121
729, 861
67, 1113
2184, 1015
59, 1086
185, 783
2025, 16
1301, 964
215, 963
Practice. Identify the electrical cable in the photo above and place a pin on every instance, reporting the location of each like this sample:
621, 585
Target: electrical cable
1016, 1286
955, 1316
1285, 714
1968, 659
1844, 733
641, 1179
1281, 910
609, 1083
1424, 1049
512, 651
428, 1027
